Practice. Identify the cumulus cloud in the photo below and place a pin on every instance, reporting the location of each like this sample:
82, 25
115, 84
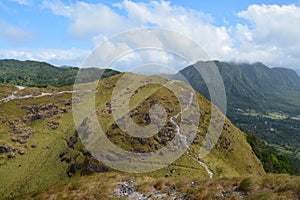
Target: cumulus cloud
14, 34
89, 20
266, 33
272, 35
98, 21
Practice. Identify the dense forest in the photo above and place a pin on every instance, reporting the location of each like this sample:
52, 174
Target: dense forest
33, 73
272, 162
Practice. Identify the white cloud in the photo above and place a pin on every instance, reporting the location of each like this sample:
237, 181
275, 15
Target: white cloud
98, 21
15, 34
23, 2
272, 36
89, 20
53, 56
268, 33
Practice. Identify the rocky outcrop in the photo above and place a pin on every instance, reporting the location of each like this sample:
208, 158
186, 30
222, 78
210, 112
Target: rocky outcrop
5, 148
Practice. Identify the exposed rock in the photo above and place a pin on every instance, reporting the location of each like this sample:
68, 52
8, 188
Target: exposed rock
91, 166
11, 155
21, 152
72, 170
125, 188
61, 155
34, 145
143, 141
64, 111
72, 141
5, 148
52, 125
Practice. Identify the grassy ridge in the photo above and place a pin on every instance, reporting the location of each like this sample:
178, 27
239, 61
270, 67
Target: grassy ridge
57, 153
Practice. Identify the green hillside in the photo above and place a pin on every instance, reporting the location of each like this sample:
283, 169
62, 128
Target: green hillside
260, 100
33, 73
40, 146
252, 86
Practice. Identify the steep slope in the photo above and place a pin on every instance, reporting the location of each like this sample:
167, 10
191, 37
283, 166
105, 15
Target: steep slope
33, 73
261, 100
40, 147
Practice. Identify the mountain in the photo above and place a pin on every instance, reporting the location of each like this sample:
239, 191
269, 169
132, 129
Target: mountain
252, 86
34, 73
40, 146
260, 100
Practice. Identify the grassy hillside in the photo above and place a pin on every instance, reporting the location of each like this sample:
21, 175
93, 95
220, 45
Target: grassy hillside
260, 100
107, 186
33, 73
40, 146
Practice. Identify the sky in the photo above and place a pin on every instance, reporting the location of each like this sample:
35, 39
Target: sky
65, 32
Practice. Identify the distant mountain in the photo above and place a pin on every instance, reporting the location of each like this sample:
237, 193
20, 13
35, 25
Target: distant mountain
33, 73
260, 100
252, 86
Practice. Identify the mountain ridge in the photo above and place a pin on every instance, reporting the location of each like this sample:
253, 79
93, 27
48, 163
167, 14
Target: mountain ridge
41, 74
260, 100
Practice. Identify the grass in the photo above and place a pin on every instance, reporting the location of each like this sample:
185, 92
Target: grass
6, 90
101, 186
41, 167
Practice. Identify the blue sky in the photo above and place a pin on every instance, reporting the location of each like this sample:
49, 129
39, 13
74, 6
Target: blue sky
64, 32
